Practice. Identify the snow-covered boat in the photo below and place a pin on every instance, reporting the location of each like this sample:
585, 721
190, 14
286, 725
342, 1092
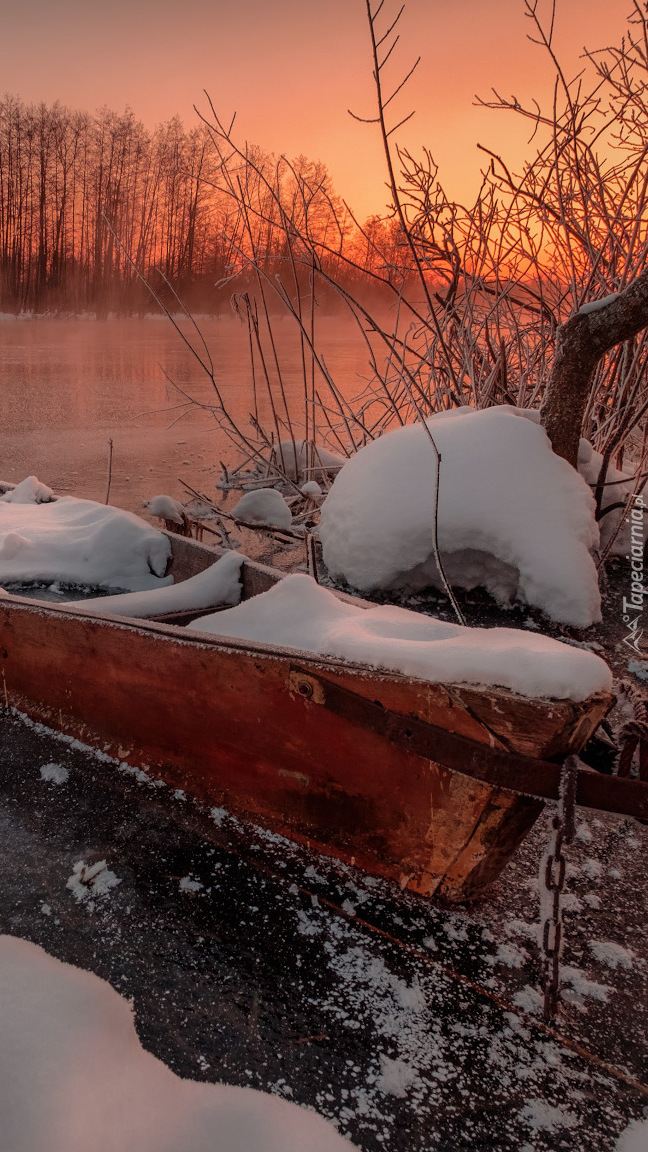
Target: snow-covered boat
433, 785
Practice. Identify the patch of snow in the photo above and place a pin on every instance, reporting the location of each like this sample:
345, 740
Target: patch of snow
529, 1000
80, 542
510, 956
190, 884
614, 955
597, 305
218, 584
29, 491
298, 613
618, 487
264, 506
634, 1138
582, 985
311, 488
543, 1117
513, 516
54, 773
167, 509
91, 880
74, 1076
639, 668
293, 458
395, 1077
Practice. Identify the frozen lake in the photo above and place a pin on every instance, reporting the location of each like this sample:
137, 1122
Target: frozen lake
68, 386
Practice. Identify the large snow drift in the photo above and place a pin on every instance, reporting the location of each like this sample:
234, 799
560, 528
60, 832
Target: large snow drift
298, 613
74, 1077
218, 584
513, 517
79, 542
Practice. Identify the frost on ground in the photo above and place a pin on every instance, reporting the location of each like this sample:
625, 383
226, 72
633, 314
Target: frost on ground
513, 517
78, 542
91, 881
298, 613
73, 1076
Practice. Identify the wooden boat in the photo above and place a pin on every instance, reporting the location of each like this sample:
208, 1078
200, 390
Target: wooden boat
433, 786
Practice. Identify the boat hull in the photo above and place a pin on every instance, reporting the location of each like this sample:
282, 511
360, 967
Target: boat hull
230, 724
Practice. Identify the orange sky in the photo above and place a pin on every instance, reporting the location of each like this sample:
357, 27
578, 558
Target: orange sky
291, 68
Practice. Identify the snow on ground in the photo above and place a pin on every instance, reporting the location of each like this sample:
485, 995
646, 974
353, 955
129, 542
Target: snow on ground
635, 1138
167, 509
79, 542
218, 584
298, 613
265, 506
513, 517
297, 458
29, 491
73, 1076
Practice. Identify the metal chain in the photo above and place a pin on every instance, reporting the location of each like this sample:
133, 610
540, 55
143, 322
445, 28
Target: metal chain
552, 878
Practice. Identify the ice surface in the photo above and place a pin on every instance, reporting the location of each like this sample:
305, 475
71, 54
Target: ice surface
265, 506
298, 613
74, 1077
513, 517
218, 584
80, 542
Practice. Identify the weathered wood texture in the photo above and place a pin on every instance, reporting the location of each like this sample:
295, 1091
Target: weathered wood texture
221, 719
580, 343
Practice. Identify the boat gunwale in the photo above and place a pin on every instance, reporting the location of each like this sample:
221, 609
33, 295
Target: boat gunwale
210, 640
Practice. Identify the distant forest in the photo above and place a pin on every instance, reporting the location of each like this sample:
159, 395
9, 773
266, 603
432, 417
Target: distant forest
81, 193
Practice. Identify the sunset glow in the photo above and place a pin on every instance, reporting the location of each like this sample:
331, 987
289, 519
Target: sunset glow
291, 70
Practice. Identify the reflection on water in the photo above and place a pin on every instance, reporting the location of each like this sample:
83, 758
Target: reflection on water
67, 386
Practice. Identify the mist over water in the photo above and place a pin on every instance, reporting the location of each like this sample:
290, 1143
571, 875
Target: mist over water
68, 385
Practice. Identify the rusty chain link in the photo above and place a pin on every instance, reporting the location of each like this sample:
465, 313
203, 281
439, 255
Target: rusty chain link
552, 880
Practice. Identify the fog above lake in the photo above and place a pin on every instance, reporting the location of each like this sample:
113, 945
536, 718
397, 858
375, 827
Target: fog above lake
69, 385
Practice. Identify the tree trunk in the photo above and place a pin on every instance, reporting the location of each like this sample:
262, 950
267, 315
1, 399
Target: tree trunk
580, 344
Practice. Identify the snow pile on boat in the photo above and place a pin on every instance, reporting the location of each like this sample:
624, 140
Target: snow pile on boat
79, 542
265, 506
298, 613
74, 1077
513, 517
218, 584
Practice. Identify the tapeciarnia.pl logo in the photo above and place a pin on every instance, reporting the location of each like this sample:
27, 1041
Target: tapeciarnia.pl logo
633, 606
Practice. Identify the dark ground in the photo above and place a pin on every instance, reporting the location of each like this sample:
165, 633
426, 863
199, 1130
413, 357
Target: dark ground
253, 962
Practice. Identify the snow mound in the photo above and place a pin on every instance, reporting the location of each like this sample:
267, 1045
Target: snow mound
29, 491
298, 613
218, 584
73, 1077
167, 509
265, 506
292, 459
634, 1138
80, 542
513, 517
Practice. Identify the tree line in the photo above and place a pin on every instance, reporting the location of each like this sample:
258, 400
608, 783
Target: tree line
92, 203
